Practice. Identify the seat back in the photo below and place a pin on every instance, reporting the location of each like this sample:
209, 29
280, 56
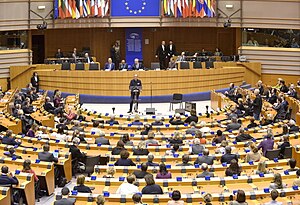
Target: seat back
272, 154
90, 163
184, 65
197, 65
209, 64
94, 66
66, 66
287, 153
177, 96
79, 66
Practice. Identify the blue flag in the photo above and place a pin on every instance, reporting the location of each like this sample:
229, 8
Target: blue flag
55, 9
135, 7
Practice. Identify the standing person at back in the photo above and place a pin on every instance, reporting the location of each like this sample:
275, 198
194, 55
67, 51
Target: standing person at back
257, 105
162, 54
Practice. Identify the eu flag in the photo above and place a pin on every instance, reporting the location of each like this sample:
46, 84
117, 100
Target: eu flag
135, 7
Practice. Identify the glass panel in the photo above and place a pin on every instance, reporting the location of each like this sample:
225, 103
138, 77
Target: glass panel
10, 40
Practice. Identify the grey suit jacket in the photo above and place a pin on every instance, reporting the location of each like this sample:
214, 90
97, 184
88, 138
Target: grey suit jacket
204, 174
233, 126
102, 140
205, 159
64, 201
47, 157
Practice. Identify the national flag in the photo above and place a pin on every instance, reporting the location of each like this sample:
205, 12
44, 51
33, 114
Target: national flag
81, 7
179, 8
85, 12
99, 7
68, 8
175, 8
62, 8
106, 8
73, 5
56, 7
172, 12
77, 9
88, 6
185, 8
165, 6
93, 7
96, 8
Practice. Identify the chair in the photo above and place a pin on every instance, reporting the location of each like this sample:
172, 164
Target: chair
66, 66
197, 65
104, 160
271, 154
184, 65
176, 99
209, 64
154, 65
288, 114
225, 58
94, 66
79, 66
287, 153
90, 164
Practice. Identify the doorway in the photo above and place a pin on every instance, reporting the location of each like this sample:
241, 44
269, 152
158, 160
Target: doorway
38, 49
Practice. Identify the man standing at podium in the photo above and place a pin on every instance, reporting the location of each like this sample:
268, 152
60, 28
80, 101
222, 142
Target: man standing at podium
135, 87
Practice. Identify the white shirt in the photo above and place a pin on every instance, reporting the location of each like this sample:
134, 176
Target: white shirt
127, 188
171, 47
163, 47
273, 203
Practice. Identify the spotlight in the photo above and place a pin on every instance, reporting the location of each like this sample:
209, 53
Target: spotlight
227, 23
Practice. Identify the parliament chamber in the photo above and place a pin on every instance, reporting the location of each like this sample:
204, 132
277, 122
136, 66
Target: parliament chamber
212, 87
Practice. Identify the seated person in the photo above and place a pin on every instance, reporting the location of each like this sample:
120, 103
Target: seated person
185, 161
147, 128
292, 163
207, 198
112, 120
262, 168
137, 65
157, 122
252, 123
204, 128
140, 174
242, 136
205, 158
176, 139
221, 148
70, 115
174, 150
65, 200
227, 157
151, 140
266, 144
201, 137
297, 181
110, 172
192, 118
120, 146
137, 199
283, 145
234, 125
163, 173
176, 196
47, 156
101, 139
293, 128
136, 120
192, 130
233, 168
8, 139
240, 198
7, 177
59, 54
81, 188
277, 182
109, 66
50, 108
95, 129
87, 58
274, 196
75, 151
196, 147
126, 140
62, 124
100, 200
151, 187
254, 155
150, 159
219, 137
11, 153
280, 108
267, 121
204, 168
123, 65
141, 149
124, 161
172, 64
27, 169
128, 187
77, 126
176, 120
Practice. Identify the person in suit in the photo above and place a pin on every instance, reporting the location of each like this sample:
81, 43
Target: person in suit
171, 49
150, 159
176, 120
257, 105
47, 156
59, 54
151, 187
280, 108
227, 157
205, 172
137, 65
292, 126
192, 118
219, 137
192, 130
242, 136
157, 122
196, 147
205, 158
123, 65
134, 84
124, 161
117, 149
7, 178
65, 200
176, 196
35, 80
162, 54
101, 139
87, 58
112, 120
185, 161
234, 125
140, 174
233, 168
75, 151
109, 66
80, 185
9, 139
181, 57
50, 108
11, 153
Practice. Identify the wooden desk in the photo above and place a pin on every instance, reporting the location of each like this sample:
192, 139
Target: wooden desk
5, 195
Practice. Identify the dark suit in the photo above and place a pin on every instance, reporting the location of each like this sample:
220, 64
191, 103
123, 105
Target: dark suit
205, 173
157, 123
176, 122
134, 83
228, 157
205, 159
9, 141
140, 174
140, 152
76, 154
6, 180
102, 141
152, 164
82, 189
280, 111
243, 137
257, 105
138, 66
123, 66
64, 201
59, 55
191, 119
171, 50
109, 67
50, 108
47, 157
35, 82
124, 162
162, 54
233, 126
112, 122
88, 59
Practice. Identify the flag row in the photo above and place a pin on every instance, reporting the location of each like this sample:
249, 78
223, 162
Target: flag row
189, 8
80, 8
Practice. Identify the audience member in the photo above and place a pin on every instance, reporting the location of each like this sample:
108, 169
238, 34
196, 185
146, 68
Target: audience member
234, 125
75, 151
27, 168
109, 66
65, 200
192, 130
266, 144
7, 178
128, 187
227, 157
252, 123
110, 172
157, 121
233, 169
207, 198
176, 120
112, 120
277, 182
151, 140
137, 199
124, 161
95, 129
100, 200
205, 172
257, 105
147, 129
192, 118
242, 136
151, 187
274, 196
150, 159
163, 173
176, 196
102, 139
185, 161
141, 149
254, 155
196, 147
9, 139
293, 128
292, 164
205, 158
297, 181
176, 139
120, 146
126, 140
140, 174
219, 137
80, 185
136, 120
240, 198
283, 146
47, 156
262, 168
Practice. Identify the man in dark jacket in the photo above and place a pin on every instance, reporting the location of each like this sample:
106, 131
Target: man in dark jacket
47, 156
176, 120
7, 178
227, 157
257, 105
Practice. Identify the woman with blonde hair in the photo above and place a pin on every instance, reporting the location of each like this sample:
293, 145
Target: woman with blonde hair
141, 149
100, 200
137, 120
262, 168
80, 185
254, 155
277, 182
110, 172
176, 139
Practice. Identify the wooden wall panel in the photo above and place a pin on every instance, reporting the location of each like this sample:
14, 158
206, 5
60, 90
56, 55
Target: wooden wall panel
100, 40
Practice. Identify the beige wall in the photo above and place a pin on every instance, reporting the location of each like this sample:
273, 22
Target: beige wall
14, 15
